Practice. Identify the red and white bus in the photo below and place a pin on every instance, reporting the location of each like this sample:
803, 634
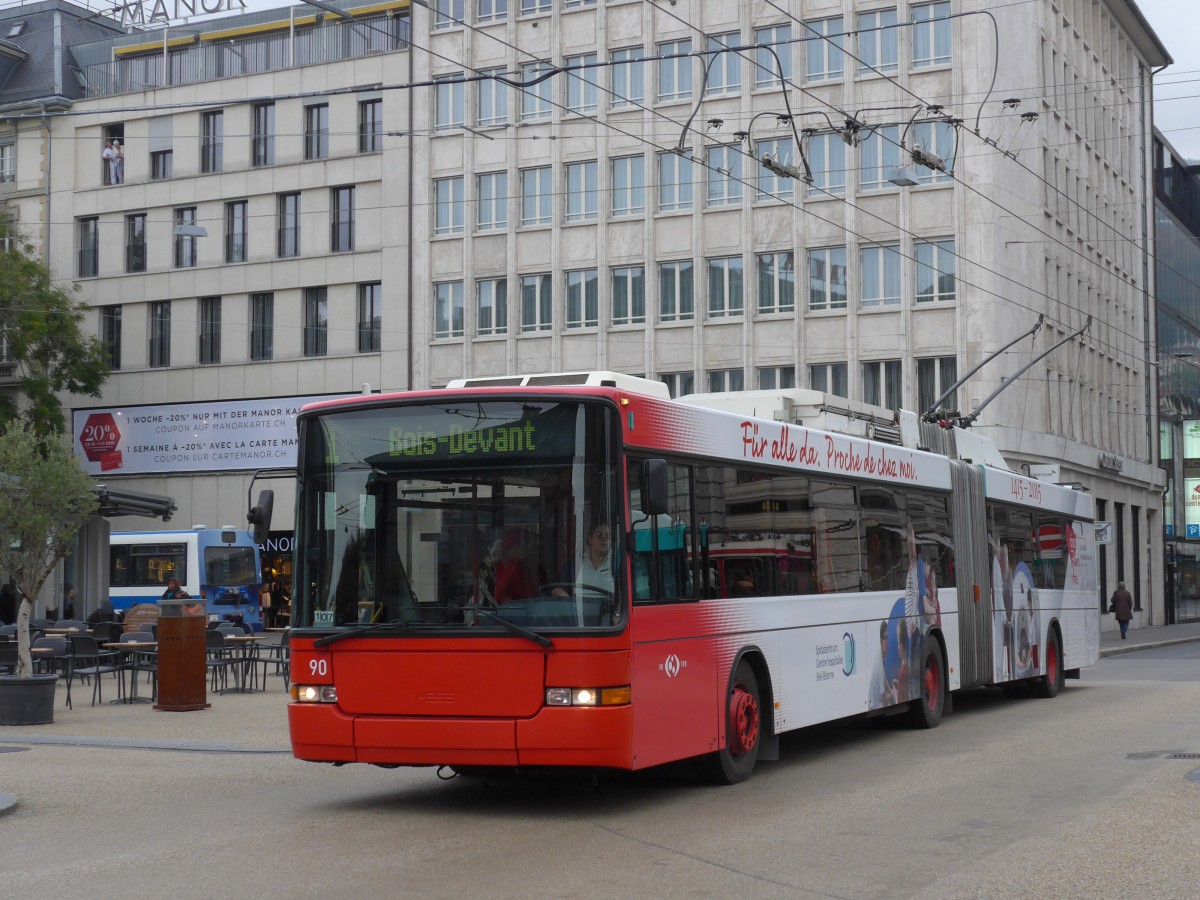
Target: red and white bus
455, 605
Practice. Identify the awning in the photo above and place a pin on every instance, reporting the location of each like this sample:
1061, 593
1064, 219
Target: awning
117, 502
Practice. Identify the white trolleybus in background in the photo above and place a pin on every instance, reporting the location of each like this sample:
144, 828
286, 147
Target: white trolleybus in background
577, 570
217, 565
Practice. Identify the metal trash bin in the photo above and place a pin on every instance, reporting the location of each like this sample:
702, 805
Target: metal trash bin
182, 672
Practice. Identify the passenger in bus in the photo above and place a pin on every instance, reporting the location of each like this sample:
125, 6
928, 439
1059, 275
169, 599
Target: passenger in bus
514, 580
743, 584
883, 692
594, 566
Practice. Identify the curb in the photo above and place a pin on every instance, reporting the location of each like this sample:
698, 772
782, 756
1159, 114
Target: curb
1150, 645
7, 803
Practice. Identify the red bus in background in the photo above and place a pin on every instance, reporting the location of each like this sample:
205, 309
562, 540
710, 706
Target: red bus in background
576, 570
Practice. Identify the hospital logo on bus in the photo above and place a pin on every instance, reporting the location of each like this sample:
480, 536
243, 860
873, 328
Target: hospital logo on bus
672, 665
849, 658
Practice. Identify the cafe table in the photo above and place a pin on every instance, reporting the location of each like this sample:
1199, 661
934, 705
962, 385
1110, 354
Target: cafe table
131, 649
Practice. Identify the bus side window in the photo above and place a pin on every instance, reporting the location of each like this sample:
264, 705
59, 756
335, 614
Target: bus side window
667, 538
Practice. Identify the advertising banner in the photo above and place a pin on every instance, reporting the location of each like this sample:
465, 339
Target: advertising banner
211, 436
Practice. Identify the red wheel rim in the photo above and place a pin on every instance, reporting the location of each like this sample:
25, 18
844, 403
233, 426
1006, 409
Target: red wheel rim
933, 684
1052, 661
743, 720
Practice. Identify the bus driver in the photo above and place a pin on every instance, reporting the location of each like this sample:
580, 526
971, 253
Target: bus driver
594, 568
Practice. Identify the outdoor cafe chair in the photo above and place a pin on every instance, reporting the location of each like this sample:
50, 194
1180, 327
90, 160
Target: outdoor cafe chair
218, 658
8, 658
69, 623
8, 631
150, 628
85, 659
105, 632
142, 661
278, 655
55, 660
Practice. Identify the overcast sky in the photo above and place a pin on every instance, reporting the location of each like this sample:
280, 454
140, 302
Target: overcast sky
1178, 26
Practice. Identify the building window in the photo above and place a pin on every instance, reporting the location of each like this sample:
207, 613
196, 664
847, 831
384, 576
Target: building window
827, 159
725, 287
316, 321
236, 224
878, 42
135, 243
720, 380
935, 271
770, 185
777, 282
262, 149
448, 309
8, 163
879, 154
491, 201
262, 325
110, 334
725, 68
934, 378
938, 139
931, 34
577, 4
537, 196
112, 157
536, 303
370, 126
535, 98
491, 315
210, 330
823, 43
829, 378
676, 295
535, 7
289, 225
827, 279
674, 181
679, 384
675, 71
160, 334
370, 317
629, 186
774, 51
316, 131
89, 247
341, 225
724, 175
771, 378
161, 164
185, 244
581, 84
212, 139
628, 78
629, 295
583, 192
583, 298
447, 13
881, 383
491, 11
448, 205
448, 102
493, 98
881, 276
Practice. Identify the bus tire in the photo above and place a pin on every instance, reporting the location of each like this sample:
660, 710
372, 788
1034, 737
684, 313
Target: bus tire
926, 710
743, 731
1052, 682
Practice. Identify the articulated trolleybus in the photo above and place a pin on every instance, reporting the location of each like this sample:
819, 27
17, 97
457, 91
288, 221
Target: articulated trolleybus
217, 565
458, 605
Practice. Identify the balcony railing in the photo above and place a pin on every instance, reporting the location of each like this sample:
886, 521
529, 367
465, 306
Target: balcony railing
328, 42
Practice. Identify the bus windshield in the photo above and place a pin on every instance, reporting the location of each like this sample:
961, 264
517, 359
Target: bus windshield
452, 515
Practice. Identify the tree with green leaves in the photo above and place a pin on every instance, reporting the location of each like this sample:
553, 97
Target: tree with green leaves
45, 498
41, 333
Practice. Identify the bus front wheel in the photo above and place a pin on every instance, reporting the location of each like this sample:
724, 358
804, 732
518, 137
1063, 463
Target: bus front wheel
743, 731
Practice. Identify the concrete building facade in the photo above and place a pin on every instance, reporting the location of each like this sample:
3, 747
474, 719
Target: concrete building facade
866, 198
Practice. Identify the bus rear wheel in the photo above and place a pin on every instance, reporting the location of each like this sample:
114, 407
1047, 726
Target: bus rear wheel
743, 732
1052, 682
925, 711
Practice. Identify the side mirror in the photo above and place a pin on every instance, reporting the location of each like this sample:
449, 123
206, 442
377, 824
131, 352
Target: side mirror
260, 517
654, 487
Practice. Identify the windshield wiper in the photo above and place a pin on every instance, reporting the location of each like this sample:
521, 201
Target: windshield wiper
355, 632
540, 639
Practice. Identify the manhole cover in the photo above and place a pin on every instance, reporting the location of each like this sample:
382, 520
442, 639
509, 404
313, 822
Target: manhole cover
1184, 756
12, 749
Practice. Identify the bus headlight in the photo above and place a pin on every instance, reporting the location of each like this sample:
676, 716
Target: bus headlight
314, 693
611, 696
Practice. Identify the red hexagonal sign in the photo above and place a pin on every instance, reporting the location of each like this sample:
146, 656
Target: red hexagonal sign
99, 436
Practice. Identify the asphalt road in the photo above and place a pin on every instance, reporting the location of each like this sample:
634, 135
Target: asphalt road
1072, 797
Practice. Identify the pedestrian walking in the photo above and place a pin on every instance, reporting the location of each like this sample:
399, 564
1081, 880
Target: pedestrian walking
1121, 603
